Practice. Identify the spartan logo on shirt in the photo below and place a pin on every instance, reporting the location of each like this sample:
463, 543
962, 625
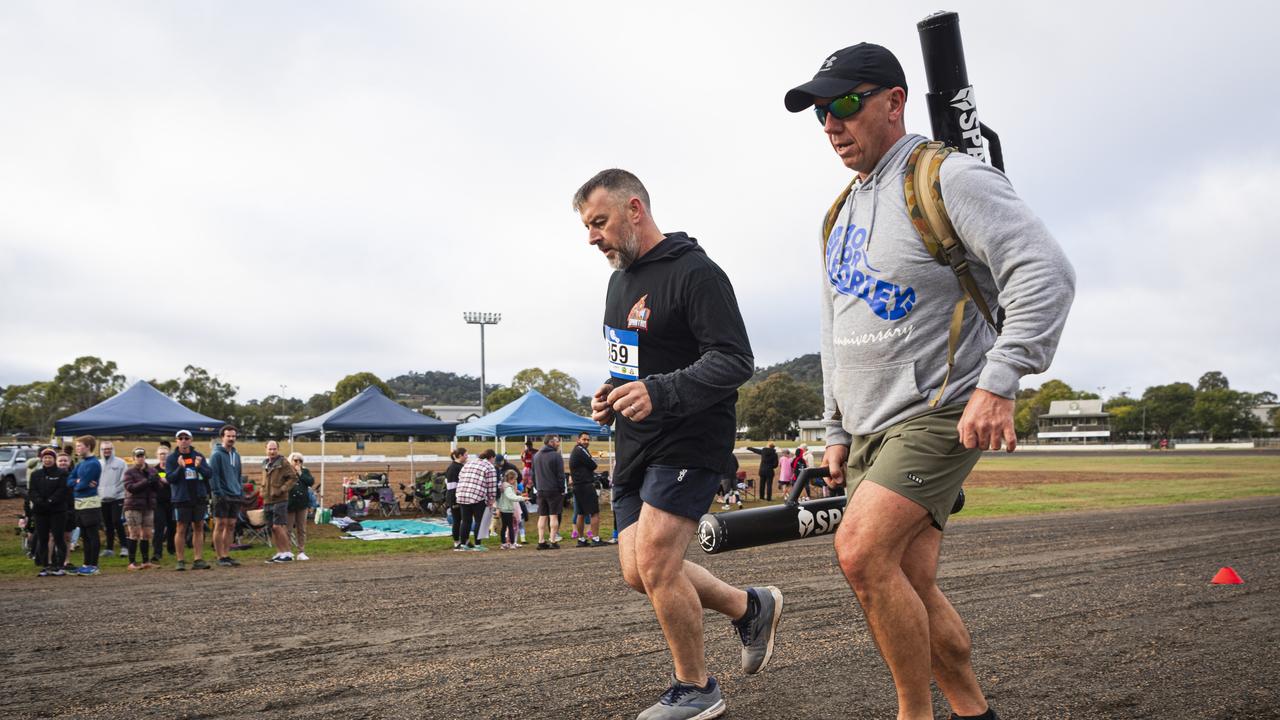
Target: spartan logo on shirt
850, 272
639, 315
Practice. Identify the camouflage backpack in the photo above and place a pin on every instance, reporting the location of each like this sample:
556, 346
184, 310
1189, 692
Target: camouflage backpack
922, 185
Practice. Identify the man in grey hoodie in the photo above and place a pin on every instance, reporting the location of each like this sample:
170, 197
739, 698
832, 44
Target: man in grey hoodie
111, 490
909, 428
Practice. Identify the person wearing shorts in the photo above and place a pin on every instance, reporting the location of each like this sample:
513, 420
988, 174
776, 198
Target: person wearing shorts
228, 493
911, 410
677, 353
188, 475
586, 499
141, 484
278, 478
549, 477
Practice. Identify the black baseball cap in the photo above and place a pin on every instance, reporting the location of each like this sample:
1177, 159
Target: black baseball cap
844, 70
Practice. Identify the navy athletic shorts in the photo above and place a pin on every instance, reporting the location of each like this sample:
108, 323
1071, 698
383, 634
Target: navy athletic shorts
686, 492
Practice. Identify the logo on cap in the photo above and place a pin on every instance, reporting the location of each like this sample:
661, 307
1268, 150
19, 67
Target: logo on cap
830, 63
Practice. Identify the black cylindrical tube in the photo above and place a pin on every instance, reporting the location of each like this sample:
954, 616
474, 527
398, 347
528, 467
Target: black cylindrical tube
943, 52
953, 110
721, 532
740, 529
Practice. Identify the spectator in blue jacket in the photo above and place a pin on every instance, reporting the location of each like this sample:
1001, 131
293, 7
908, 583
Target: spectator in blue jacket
228, 493
83, 481
188, 474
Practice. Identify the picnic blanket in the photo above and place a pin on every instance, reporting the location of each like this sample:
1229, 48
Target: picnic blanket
399, 530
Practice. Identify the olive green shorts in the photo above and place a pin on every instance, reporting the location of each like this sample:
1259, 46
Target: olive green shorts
921, 459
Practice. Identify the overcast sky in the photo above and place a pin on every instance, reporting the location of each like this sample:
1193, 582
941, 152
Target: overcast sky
288, 192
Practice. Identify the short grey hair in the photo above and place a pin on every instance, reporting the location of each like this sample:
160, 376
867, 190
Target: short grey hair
619, 183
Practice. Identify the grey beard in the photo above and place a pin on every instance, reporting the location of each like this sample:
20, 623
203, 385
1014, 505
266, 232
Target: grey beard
627, 251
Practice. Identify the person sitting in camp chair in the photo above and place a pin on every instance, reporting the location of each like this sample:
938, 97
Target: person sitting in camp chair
245, 524
437, 493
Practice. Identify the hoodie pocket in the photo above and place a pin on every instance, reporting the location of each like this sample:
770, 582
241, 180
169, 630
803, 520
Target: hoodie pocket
868, 394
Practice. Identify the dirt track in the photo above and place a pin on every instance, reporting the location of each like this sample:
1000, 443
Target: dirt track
1102, 615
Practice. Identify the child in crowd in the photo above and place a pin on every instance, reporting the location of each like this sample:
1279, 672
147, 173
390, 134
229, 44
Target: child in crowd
72, 533
785, 476
507, 509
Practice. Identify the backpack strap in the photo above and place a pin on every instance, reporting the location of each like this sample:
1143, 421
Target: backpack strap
829, 223
922, 188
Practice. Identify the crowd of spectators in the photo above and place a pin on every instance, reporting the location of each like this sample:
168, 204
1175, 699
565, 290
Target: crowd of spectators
154, 508
86, 494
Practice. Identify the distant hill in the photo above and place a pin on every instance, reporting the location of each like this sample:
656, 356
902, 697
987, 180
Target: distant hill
439, 388
806, 369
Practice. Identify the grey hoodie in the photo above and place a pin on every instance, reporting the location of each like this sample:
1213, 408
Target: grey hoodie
887, 304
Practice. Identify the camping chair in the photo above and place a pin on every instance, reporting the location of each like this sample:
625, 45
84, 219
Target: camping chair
252, 525
746, 488
387, 502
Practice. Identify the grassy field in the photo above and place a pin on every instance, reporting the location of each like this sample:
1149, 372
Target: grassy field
1000, 486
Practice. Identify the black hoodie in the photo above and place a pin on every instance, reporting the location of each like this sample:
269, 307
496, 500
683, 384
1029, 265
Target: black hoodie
47, 490
690, 349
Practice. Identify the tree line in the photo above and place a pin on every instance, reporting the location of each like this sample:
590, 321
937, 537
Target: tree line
33, 408
769, 406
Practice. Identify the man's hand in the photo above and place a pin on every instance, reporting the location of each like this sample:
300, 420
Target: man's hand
987, 420
631, 400
600, 410
835, 457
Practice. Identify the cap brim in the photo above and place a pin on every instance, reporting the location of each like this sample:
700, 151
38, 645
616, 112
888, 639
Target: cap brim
799, 98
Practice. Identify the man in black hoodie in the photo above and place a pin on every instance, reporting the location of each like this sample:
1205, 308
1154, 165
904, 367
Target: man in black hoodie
768, 463
678, 351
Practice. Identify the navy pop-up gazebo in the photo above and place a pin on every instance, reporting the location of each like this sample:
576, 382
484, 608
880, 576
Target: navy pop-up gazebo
139, 410
532, 414
372, 412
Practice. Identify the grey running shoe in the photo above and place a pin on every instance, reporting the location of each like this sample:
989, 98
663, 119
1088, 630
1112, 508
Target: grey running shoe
758, 633
687, 702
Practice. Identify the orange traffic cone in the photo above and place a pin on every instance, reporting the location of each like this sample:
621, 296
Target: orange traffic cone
1227, 576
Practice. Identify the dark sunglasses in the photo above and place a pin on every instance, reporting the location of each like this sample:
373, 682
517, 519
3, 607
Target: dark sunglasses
843, 107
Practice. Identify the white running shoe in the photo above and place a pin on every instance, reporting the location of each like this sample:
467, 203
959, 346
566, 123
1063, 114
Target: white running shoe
303, 556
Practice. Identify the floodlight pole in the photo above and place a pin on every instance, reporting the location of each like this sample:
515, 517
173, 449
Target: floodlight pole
481, 319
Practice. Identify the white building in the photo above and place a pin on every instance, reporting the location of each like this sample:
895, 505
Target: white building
813, 432
1075, 421
455, 413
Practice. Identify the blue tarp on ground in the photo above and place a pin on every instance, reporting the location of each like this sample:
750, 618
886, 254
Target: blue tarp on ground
139, 410
532, 414
373, 412
400, 529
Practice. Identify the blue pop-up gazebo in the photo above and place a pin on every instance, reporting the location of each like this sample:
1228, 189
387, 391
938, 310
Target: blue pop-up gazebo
139, 410
372, 412
532, 414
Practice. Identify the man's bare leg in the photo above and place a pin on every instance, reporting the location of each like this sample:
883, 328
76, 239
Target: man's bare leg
949, 642
281, 538
877, 530
197, 540
651, 553
179, 546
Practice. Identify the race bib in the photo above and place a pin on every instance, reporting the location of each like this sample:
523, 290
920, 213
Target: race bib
624, 353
